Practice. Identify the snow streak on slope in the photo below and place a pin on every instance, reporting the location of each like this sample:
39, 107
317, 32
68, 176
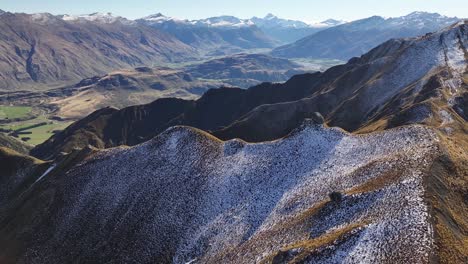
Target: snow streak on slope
188, 197
421, 58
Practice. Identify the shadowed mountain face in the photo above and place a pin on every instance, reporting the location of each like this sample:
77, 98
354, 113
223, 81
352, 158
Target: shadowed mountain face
419, 80
358, 37
42, 50
223, 106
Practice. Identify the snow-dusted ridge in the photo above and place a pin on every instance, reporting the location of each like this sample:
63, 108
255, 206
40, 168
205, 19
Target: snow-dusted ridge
198, 199
107, 18
268, 21
271, 21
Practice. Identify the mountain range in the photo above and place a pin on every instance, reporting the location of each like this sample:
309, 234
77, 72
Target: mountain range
215, 36
287, 31
279, 29
364, 162
402, 81
43, 51
356, 38
391, 192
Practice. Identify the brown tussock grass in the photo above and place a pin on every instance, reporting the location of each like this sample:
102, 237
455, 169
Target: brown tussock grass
309, 246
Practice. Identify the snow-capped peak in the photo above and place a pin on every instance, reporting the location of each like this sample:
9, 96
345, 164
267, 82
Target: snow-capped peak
420, 14
43, 18
106, 18
223, 21
156, 17
328, 23
333, 22
270, 16
272, 21
421, 19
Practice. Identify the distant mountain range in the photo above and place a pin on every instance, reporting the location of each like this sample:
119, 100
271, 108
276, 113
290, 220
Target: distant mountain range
215, 36
43, 51
356, 38
278, 29
288, 31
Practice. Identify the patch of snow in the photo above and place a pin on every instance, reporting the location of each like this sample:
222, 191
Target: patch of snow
43, 18
446, 117
421, 57
106, 18
205, 197
45, 173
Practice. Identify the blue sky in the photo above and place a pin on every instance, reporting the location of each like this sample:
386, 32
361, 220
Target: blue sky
308, 10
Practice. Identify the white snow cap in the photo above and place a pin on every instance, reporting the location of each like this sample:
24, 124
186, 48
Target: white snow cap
106, 18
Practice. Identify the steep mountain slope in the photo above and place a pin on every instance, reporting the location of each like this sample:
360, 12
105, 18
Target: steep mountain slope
407, 81
246, 70
421, 80
215, 36
42, 50
124, 88
17, 174
357, 37
14, 144
187, 197
288, 31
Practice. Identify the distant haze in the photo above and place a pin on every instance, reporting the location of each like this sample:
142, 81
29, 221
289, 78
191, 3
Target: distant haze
306, 10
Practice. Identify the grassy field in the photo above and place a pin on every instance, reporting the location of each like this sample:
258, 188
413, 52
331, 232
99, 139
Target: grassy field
38, 134
14, 112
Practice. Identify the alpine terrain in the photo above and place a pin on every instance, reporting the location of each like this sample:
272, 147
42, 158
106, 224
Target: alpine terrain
357, 37
164, 140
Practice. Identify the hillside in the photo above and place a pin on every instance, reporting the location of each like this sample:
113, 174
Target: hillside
124, 88
143, 85
246, 70
14, 144
44, 51
187, 197
358, 37
406, 81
